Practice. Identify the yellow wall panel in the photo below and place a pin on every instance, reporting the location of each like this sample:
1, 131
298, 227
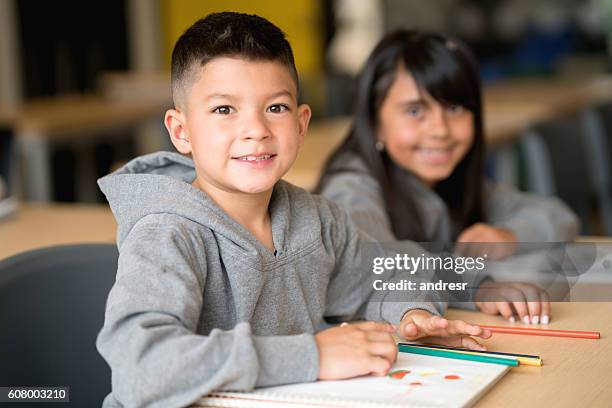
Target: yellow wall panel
301, 20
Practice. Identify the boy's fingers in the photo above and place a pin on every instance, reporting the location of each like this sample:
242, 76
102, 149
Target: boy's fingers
388, 351
459, 327
378, 365
374, 326
428, 326
486, 333
475, 330
456, 341
380, 336
435, 323
410, 330
441, 322
471, 344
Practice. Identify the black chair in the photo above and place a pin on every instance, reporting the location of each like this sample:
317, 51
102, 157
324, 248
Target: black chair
52, 303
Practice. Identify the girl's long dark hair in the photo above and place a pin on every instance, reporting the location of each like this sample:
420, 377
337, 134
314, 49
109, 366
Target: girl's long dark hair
446, 69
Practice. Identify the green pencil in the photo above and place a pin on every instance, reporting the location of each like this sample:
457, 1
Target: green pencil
459, 356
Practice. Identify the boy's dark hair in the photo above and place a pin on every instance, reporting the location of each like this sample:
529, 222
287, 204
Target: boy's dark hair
227, 34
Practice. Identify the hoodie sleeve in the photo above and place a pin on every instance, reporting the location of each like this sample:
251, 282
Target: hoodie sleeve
361, 197
149, 336
530, 217
350, 293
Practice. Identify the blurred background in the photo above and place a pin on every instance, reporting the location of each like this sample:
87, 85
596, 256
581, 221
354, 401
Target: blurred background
84, 85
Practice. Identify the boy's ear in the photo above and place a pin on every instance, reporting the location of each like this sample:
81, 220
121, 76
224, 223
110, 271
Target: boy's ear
176, 123
304, 114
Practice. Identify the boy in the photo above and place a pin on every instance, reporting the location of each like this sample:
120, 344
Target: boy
225, 271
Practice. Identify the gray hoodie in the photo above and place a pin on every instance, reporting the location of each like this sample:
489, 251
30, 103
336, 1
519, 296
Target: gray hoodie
199, 304
531, 218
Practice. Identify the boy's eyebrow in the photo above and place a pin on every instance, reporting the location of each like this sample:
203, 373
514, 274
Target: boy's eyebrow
218, 96
284, 92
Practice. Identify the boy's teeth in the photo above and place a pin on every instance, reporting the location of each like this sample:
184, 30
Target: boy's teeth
255, 158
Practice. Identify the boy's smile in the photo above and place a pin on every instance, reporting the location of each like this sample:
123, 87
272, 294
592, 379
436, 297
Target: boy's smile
241, 124
256, 160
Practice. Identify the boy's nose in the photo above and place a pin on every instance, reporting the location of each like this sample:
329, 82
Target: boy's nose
255, 127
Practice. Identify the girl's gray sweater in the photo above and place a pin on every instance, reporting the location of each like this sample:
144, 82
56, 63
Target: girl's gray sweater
531, 218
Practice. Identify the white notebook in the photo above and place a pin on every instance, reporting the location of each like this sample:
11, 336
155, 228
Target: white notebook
414, 381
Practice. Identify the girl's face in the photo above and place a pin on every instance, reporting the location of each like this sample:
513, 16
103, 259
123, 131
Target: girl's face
421, 135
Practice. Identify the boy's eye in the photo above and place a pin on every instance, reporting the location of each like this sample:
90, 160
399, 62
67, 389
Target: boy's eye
223, 110
278, 108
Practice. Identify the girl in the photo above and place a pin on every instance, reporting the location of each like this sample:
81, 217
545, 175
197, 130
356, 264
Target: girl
411, 167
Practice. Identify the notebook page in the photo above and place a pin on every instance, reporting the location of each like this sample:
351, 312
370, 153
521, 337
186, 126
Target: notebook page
414, 381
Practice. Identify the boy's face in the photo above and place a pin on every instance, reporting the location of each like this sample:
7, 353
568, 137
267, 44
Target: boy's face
241, 124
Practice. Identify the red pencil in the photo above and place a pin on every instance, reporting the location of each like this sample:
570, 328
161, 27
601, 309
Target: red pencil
542, 332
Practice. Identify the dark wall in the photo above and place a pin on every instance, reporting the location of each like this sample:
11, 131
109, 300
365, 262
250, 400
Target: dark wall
67, 43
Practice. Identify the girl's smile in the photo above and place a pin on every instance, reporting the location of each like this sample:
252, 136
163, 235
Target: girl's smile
420, 134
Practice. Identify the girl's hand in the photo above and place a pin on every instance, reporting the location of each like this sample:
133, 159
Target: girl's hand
422, 325
530, 303
355, 349
484, 233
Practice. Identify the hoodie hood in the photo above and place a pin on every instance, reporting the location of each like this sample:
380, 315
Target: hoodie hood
160, 183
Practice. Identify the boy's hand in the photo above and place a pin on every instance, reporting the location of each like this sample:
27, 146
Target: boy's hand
530, 303
355, 349
484, 233
422, 325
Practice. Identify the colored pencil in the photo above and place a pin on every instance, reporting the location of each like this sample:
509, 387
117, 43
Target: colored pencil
475, 351
523, 359
543, 332
457, 356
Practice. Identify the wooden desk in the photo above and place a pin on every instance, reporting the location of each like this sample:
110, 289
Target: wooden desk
37, 226
560, 93
503, 122
576, 372
39, 123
